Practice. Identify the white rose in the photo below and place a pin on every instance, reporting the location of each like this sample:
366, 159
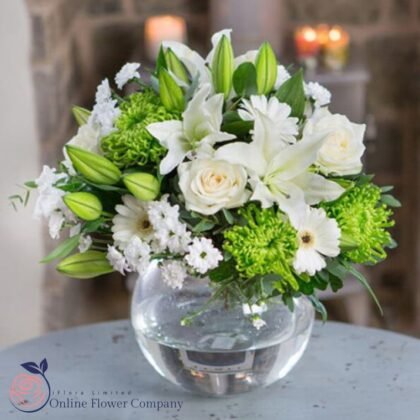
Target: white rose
343, 147
211, 185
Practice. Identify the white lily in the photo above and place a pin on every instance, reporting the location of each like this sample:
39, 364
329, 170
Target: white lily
195, 134
280, 174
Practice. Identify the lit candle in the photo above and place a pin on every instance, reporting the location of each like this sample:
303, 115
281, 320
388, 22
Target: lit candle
322, 32
307, 45
163, 28
336, 48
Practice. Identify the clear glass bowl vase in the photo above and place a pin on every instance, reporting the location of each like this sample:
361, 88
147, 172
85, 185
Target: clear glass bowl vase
220, 353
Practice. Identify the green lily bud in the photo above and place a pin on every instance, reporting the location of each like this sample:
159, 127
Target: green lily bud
84, 205
85, 265
171, 94
142, 185
93, 167
222, 66
175, 65
266, 66
81, 115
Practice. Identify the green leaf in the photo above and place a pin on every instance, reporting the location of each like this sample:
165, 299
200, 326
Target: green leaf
203, 226
92, 226
64, 249
31, 184
387, 188
336, 283
319, 307
268, 284
291, 92
362, 279
335, 268
224, 271
390, 200
245, 80
234, 124
228, 216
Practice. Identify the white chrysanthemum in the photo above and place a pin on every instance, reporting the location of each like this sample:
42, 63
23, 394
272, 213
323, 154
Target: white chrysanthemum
116, 259
282, 76
258, 322
128, 72
173, 274
170, 233
75, 229
85, 242
278, 113
137, 254
132, 220
48, 178
320, 94
161, 213
318, 236
202, 255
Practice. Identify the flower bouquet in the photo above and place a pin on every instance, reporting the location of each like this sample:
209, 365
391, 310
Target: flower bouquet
228, 170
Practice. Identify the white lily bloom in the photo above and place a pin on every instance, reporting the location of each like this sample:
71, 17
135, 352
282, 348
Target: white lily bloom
278, 113
196, 134
318, 236
277, 173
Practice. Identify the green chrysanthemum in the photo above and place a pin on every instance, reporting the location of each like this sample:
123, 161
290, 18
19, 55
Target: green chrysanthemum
265, 245
363, 218
131, 144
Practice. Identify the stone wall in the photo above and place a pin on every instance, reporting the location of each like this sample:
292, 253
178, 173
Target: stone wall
76, 43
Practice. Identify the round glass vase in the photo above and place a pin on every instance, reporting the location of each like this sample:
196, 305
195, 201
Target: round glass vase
219, 352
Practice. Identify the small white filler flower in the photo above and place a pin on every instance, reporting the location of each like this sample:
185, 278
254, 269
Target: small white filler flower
202, 255
318, 236
173, 274
117, 259
320, 94
128, 72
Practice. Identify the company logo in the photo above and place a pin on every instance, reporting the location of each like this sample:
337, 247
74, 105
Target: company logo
30, 392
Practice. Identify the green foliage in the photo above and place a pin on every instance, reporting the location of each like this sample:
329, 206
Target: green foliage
291, 92
131, 144
234, 124
245, 80
64, 249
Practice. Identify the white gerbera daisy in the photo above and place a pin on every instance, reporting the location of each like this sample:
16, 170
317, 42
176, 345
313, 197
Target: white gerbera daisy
132, 220
278, 113
318, 236
173, 274
202, 255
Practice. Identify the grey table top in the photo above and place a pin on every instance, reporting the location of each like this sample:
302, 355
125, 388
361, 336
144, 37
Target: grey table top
347, 372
